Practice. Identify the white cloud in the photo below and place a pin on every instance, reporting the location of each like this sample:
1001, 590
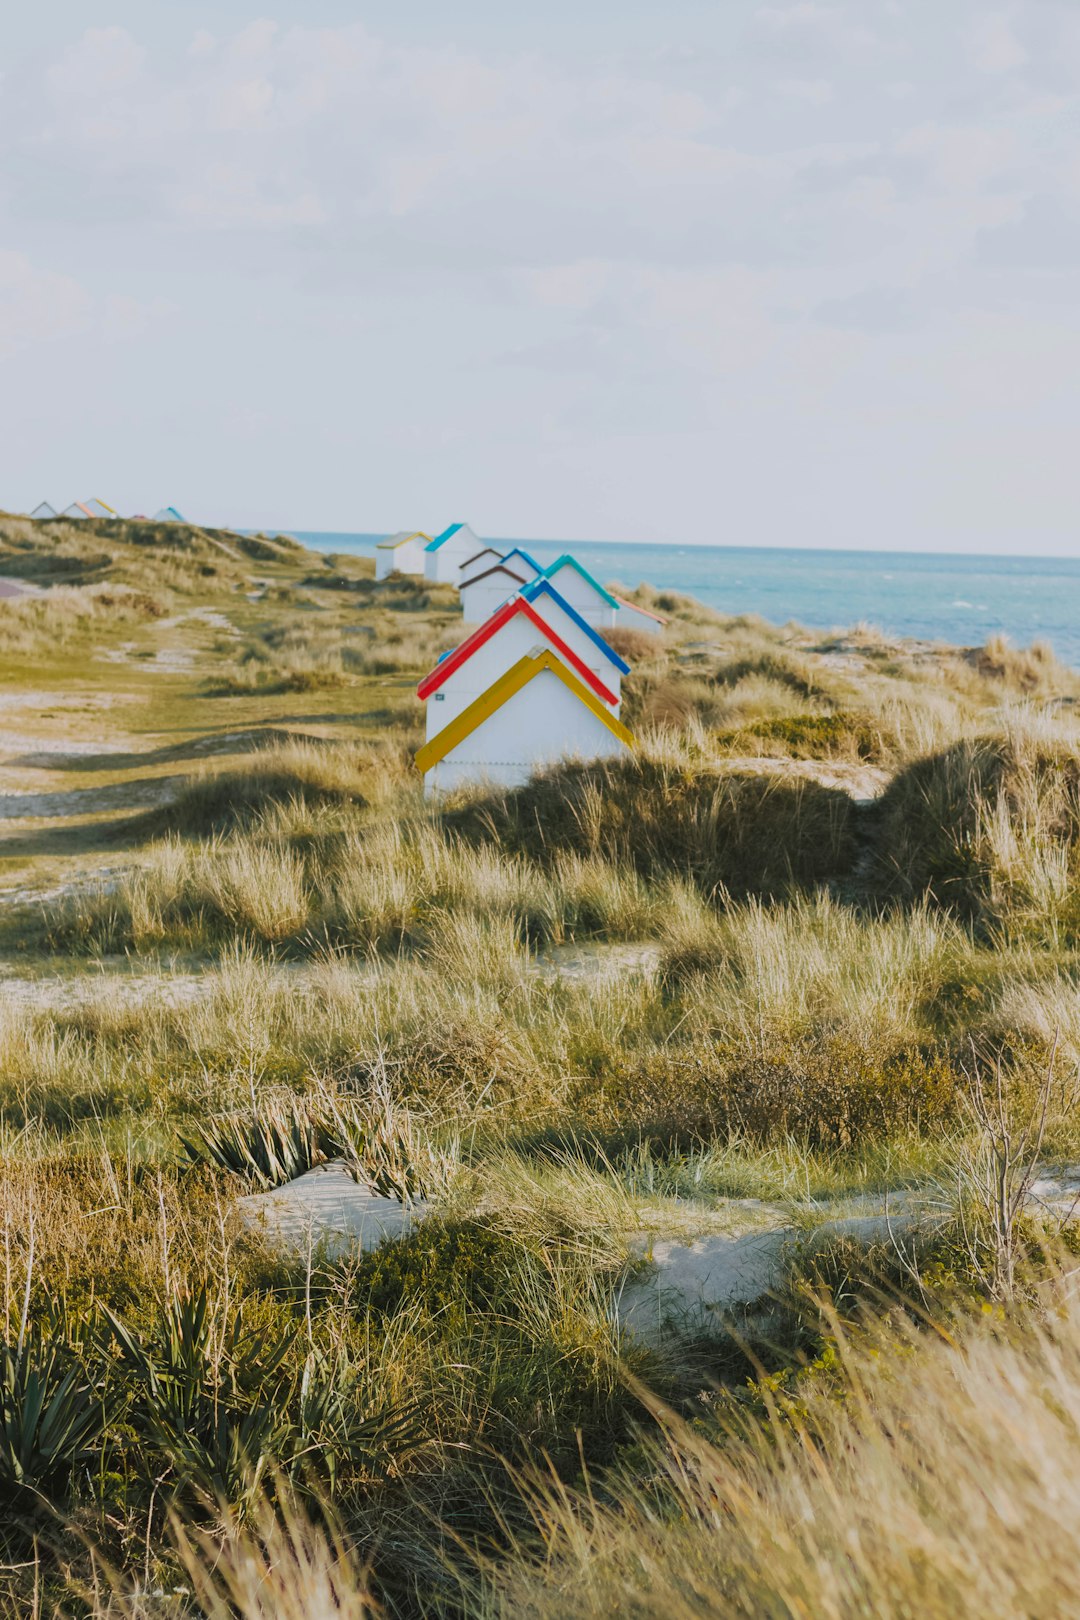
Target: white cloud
37, 306
994, 45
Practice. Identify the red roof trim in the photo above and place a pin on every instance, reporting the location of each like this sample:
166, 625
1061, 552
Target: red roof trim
497, 568
636, 608
473, 643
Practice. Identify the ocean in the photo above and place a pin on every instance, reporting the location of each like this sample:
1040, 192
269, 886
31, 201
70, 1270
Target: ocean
958, 599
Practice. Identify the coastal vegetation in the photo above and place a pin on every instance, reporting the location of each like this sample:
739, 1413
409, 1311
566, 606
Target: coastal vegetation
805, 966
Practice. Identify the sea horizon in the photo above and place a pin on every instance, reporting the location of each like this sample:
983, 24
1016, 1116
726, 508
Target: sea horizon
953, 597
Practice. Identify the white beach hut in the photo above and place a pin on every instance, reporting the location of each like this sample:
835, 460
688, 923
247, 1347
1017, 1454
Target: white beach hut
583, 637
44, 510
516, 631
628, 616
402, 553
597, 606
521, 562
444, 555
485, 559
484, 593
169, 514
77, 509
537, 714
99, 509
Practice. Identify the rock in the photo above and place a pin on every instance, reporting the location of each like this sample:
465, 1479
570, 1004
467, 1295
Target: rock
326, 1207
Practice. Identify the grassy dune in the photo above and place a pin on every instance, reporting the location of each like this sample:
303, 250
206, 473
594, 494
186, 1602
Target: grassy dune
812, 947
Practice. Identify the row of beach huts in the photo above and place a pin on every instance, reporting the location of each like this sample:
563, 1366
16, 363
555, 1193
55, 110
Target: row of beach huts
95, 508
534, 682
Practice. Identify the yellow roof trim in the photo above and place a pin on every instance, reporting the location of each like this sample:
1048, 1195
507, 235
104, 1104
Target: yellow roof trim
500, 691
392, 545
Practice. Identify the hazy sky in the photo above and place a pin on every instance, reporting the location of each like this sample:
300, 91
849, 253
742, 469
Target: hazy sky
782, 274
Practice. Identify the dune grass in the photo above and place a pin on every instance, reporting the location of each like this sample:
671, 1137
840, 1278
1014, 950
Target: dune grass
697, 988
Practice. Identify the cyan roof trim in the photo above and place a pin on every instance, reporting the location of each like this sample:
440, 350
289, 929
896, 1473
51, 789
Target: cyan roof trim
566, 561
441, 539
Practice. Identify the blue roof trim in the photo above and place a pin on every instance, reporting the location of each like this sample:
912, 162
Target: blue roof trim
544, 587
519, 551
447, 534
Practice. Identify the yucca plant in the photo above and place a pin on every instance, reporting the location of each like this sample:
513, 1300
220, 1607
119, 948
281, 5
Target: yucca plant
53, 1416
269, 1148
225, 1408
207, 1397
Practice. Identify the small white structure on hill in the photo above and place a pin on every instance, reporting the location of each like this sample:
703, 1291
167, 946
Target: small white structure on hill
521, 562
77, 509
485, 559
444, 556
628, 616
169, 514
402, 553
44, 510
576, 584
516, 631
536, 714
485, 593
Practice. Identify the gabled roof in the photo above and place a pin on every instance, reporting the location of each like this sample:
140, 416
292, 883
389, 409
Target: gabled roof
519, 551
544, 587
169, 514
99, 508
500, 692
441, 539
488, 551
496, 568
76, 510
566, 561
635, 607
399, 539
515, 608
44, 510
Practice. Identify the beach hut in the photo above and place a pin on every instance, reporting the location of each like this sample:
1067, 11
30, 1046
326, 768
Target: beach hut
483, 593
516, 631
576, 584
77, 509
536, 714
583, 637
444, 555
401, 553
520, 561
479, 564
99, 509
628, 616
44, 510
169, 514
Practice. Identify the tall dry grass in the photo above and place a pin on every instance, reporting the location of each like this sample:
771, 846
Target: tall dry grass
922, 1479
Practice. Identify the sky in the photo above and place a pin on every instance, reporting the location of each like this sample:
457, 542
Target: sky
727, 273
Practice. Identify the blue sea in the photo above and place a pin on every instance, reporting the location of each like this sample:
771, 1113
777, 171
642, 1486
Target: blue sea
958, 599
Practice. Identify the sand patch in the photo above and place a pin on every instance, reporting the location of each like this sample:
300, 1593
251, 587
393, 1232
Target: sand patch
328, 1208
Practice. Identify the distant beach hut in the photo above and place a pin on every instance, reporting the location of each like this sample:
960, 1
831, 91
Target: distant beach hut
44, 510
77, 509
169, 514
585, 639
520, 561
536, 714
444, 555
628, 616
577, 585
99, 509
483, 593
516, 631
485, 559
401, 553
